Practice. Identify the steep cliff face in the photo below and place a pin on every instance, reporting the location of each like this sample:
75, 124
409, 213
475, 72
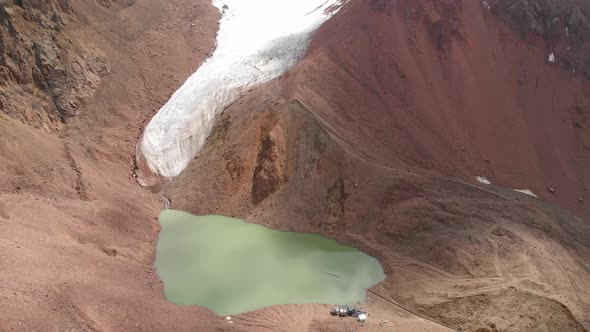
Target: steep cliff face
46, 75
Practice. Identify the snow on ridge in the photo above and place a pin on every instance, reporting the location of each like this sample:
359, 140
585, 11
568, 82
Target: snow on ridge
257, 41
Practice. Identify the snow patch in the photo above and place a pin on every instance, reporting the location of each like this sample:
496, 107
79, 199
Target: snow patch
483, 180
257, 41
551, 58
526, 191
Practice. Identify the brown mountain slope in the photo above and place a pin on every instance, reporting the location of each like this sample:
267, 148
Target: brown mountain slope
47, 73
328, 148
449, 88
457, 252
77, 235
375, 139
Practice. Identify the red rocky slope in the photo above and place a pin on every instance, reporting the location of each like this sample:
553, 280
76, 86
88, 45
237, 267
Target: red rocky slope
419, 97
47, 73
447, 86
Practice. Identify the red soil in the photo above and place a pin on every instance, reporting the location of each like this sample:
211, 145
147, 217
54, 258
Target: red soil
77, 235
446, 86
375, 138
396, 97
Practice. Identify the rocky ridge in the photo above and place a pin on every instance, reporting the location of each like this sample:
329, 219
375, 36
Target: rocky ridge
561, 26
46, 75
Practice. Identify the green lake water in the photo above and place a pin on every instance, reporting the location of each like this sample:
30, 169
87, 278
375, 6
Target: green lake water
232, 267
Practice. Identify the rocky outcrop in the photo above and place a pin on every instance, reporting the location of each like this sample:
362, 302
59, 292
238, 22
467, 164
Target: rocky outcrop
562, 25
109, 3
45, 76
270, 171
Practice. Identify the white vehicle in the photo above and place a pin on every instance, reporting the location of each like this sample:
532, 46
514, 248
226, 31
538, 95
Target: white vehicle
362, 317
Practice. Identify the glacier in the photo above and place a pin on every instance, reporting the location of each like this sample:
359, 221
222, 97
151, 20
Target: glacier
257, 41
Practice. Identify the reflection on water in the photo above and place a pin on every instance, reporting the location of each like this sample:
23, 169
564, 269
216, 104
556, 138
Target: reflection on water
232, 267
